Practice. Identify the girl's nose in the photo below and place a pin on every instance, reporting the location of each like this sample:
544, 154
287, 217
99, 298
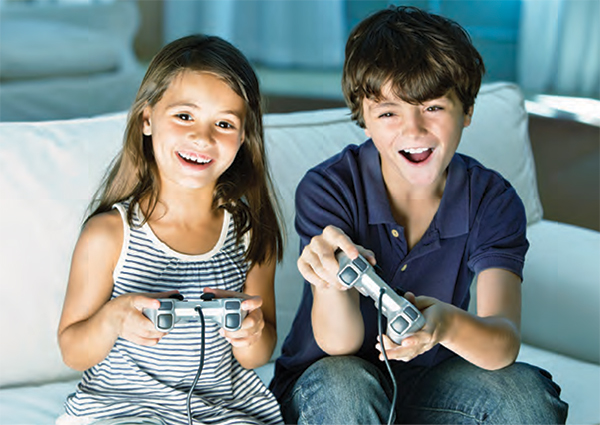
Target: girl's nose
200, 134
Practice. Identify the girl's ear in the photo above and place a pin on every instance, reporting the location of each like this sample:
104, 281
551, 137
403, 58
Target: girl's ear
146, 123
468, 117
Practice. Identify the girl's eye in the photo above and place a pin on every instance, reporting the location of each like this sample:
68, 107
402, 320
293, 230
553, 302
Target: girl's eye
184, 117
224, 124
434, 108
386, 115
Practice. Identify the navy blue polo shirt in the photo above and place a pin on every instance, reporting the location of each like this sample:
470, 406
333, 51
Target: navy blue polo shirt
480, 224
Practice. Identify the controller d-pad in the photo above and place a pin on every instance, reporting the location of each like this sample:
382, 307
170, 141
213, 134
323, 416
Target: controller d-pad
348, 276
165, 321
232, 321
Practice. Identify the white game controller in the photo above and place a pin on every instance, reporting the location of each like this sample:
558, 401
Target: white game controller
404, 319
227, 312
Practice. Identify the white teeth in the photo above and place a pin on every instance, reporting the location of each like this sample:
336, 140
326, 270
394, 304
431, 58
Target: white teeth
415, 150
190, 158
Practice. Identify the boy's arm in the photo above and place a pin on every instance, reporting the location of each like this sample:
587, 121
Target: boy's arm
490, 340
90, 323
324, 222
337, 322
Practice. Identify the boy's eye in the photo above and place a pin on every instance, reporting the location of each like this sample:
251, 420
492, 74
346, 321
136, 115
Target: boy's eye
434, 108
386, 115
184, 117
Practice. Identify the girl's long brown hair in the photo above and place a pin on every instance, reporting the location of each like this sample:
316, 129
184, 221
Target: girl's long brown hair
244, 189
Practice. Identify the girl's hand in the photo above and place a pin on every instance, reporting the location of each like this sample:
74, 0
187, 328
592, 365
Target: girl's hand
318, 264
425, 339
252, 325
132, 324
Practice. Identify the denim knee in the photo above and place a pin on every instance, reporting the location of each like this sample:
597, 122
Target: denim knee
459, 392
336, 390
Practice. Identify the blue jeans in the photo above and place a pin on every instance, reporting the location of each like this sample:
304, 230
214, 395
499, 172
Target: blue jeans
349, 390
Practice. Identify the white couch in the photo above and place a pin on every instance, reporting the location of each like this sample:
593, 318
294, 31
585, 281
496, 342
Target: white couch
49, 170
60, 61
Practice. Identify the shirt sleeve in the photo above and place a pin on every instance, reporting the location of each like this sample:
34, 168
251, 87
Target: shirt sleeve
322, 199
500, 233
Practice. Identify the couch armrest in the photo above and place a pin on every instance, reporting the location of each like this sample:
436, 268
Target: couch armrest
561, 290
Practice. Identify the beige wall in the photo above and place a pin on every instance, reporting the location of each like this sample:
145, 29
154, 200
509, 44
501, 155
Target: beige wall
149, 39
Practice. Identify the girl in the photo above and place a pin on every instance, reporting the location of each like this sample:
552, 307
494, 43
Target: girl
185, 209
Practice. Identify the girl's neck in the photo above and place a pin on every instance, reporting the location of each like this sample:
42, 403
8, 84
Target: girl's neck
181, 204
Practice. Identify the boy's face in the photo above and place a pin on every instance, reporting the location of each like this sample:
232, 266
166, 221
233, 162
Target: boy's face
415, 142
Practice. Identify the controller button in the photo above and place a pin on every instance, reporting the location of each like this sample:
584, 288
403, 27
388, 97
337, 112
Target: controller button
207, 296
166, 305
399, 324
165, 321
412, 313
348, 276
232, 321
361, 264
232, 305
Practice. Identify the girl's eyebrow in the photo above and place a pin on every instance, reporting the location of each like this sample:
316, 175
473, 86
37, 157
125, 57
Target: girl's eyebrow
237, 113
184, 104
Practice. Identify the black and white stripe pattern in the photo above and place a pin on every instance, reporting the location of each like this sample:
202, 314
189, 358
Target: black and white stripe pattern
154, 381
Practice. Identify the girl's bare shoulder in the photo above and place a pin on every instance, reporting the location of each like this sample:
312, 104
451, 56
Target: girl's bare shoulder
103, 232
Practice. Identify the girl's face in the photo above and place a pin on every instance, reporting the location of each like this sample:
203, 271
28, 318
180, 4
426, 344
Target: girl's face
415, 142
197, 128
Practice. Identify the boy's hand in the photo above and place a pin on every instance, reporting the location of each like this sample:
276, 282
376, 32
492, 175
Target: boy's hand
253, 323
132, 324
423, 340
318, 264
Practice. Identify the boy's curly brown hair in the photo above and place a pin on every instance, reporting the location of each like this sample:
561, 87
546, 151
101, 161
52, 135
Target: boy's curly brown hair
424, 56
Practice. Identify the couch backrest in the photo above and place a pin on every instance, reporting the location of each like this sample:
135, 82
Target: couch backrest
49, 171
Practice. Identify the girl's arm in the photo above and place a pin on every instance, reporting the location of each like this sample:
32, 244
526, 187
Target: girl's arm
254, 343
490, 340
91, 322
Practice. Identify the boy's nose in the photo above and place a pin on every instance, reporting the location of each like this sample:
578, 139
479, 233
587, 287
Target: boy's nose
413, 124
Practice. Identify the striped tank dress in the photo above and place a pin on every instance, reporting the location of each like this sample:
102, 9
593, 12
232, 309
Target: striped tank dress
153, 382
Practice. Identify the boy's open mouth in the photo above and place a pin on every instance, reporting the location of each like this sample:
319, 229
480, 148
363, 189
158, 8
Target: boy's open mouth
416, 155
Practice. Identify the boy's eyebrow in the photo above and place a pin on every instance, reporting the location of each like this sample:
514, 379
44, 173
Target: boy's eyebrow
382, 105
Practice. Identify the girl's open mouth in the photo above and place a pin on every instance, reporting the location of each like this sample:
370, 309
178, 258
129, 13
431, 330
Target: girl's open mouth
416, 155
194, 159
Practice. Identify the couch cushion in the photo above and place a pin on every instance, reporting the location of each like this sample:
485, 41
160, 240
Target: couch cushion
35, 48
48, 173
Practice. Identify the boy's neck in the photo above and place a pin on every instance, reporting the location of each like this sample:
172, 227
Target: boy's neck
414, 207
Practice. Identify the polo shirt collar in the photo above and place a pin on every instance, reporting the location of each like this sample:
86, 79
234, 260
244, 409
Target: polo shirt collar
452, 218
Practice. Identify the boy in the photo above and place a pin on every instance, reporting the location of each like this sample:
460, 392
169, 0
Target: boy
432, 220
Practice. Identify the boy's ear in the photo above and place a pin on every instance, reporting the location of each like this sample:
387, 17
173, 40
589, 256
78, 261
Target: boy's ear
146, 123
367, 133
468, 117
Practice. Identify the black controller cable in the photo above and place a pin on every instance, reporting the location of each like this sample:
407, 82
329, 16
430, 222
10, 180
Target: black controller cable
385, 358
200, 366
